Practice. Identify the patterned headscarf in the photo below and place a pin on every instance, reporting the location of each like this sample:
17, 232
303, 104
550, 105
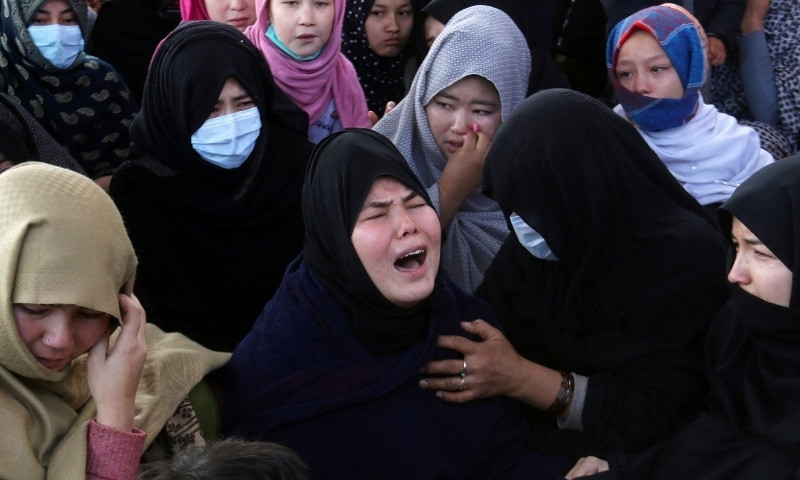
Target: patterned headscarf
686, 45
380, 77
86, 107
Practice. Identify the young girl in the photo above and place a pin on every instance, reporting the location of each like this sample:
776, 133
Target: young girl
375, 37
301, 40
66, 277
468, 83
748, 428
239, 14
657, 62
81, 100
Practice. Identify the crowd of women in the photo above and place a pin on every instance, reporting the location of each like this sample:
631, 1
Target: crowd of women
379, 239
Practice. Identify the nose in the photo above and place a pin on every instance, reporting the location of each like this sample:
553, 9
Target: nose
460, 122
406, 224
237, 5
391, 24
738, 274
58, 334
306, 14
641, 84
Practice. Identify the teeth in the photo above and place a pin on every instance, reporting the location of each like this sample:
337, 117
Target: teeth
415, 252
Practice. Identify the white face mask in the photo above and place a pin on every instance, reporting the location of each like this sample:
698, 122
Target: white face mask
228, 140
60, 44
531, 239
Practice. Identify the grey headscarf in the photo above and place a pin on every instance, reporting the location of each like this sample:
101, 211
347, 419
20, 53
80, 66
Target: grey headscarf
482, 41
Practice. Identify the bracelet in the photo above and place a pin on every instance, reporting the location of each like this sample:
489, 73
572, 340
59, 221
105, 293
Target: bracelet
564, 397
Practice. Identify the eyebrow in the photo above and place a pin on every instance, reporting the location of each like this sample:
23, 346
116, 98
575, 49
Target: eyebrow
66, 10
450, 96
749, 241
654, 58
386, 203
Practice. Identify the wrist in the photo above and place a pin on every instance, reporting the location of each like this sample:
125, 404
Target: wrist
119, 417
561, 403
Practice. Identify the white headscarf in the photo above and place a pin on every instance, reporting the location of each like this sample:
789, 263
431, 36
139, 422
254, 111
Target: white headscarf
710, 155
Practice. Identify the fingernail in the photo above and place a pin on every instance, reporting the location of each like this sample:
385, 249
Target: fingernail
423, 383
464, 137
475, 127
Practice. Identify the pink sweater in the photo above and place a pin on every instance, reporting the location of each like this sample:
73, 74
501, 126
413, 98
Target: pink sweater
113, 454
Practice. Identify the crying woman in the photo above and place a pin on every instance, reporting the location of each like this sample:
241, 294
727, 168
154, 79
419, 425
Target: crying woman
332, 365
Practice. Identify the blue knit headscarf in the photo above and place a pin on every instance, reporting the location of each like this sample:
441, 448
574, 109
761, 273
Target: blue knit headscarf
685, 43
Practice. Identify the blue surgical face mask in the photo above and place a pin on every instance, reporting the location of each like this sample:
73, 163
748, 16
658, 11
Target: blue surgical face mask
531, 239
60, 44
228, 140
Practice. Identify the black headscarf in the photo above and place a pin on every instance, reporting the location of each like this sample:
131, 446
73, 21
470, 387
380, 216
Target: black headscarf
181, 89
640, 270
213, 243
757, 354
341, 172
381, 78
749, 428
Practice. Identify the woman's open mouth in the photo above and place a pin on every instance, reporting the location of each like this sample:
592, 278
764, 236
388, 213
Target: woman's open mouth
411, 261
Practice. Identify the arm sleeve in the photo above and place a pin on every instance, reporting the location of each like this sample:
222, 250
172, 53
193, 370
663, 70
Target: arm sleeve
758, 77
573, 420
725, 19
113, 454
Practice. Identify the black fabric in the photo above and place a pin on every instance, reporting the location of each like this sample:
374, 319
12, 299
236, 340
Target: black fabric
719, 18
341, 172
212, 243
751, 425
640, 273
303, 379
25, 139
533, 21
125, 34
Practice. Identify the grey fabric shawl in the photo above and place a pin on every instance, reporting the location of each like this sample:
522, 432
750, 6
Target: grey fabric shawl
483, 41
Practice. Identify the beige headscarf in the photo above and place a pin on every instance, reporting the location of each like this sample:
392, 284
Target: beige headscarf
64, 242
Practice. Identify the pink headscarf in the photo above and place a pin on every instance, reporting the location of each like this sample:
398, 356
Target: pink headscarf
312, 83
193, 10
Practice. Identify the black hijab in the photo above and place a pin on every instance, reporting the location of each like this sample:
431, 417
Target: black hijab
640, 270
341, 172
183, 85
751, 425
213, 243
757, 354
